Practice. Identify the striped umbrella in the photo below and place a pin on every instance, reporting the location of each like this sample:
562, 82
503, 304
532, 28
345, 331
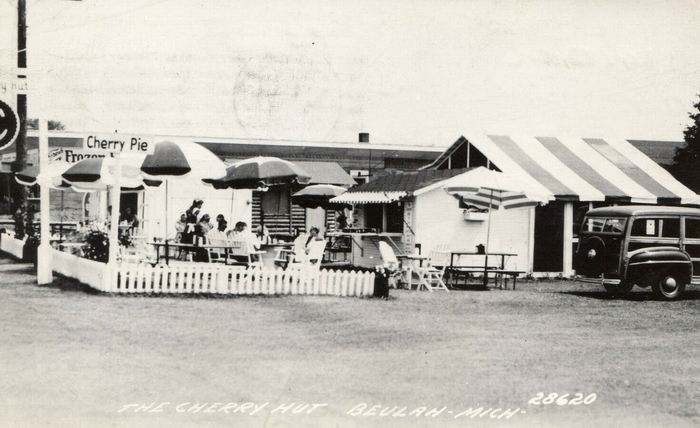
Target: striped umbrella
187, 160
260, 172
318, 195
31, 175
98, 173
180, 160
485, 188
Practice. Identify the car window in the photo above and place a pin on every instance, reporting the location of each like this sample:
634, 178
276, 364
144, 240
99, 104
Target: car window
614, 225
671, 228
594, 224
692, 228
656, 227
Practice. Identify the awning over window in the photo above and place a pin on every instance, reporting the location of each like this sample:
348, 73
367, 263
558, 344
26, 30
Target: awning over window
369, 197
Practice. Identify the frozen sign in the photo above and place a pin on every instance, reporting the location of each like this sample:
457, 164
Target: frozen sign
74, 155
117, 143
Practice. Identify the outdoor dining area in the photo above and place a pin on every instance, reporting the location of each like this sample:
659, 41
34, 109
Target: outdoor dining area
413, 227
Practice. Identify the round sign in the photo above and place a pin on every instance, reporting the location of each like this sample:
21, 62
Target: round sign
9, 125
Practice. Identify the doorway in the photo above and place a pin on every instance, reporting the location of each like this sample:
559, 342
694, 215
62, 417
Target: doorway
549, 238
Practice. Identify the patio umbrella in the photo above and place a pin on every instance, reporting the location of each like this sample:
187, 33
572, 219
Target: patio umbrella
260, 172
31, 175
318, 196
180, 160
485, 188
98, 173
187, 160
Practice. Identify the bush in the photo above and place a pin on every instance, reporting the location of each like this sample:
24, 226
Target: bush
96, 246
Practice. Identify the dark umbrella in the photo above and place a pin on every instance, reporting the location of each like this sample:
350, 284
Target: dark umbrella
318, 195
260, 172
98, 174
181, 160
30, 176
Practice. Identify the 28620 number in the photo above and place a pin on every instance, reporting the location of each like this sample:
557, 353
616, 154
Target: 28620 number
562, 399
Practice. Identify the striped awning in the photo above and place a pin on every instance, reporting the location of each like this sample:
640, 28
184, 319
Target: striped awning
584, 169
369, 197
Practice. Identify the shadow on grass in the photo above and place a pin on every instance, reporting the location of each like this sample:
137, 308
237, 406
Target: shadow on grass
63, 283
632, 297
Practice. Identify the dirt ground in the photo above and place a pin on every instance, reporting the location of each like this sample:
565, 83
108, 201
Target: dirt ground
74, 358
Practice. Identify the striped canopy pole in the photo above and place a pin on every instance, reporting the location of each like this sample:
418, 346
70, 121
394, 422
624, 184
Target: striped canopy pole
488, 237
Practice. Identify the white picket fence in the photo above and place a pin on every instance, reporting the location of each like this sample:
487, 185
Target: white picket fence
198, 278
90, 272
204, 278
12, 246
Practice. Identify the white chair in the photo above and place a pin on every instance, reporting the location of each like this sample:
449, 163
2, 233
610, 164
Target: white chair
431, 277
391, 264
313, 258
239, 251
217, 255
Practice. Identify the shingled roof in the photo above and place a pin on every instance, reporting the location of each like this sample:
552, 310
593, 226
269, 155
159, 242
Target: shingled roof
407, 181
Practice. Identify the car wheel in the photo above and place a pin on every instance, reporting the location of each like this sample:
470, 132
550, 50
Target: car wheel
669, 286
623, 287
591, 257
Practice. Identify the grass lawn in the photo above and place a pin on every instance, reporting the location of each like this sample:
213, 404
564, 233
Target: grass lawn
71, 358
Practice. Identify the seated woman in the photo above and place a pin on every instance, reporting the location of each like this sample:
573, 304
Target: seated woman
180, 228
263, 235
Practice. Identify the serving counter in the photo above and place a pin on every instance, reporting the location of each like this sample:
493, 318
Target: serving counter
364, 246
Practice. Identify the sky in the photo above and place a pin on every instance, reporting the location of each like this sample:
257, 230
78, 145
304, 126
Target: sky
407, 72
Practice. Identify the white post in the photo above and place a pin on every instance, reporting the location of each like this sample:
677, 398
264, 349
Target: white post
531, 240
44, 272
114, 225
568, 240
488, 238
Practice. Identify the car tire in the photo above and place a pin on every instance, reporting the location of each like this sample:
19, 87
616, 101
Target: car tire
669, 286
591, 257
623, 287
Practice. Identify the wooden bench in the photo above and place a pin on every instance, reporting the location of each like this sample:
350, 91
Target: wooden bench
464, 272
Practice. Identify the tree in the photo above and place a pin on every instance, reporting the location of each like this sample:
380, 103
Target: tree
686, 162
54, 125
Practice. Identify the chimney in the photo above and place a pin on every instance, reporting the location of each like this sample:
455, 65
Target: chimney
364, 137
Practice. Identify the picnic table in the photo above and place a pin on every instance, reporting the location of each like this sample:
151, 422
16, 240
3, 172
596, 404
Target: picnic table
266, 253
499, 271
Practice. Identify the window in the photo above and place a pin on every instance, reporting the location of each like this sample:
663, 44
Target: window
692, 228
605, 225
594, 224
671, 228
656, 227
373, 216
384, 217
614, 225
394, 217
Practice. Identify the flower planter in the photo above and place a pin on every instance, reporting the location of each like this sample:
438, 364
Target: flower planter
475, 216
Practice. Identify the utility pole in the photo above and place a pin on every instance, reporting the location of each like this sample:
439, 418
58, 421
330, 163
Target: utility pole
20, 191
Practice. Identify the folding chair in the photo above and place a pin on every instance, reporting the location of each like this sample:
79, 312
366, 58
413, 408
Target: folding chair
431, 277
313, 259
240, 254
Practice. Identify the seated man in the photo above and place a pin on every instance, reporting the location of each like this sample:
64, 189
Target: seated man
218, 236
247, 241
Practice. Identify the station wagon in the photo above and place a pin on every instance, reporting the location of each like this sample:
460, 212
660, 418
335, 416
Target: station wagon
647, 246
